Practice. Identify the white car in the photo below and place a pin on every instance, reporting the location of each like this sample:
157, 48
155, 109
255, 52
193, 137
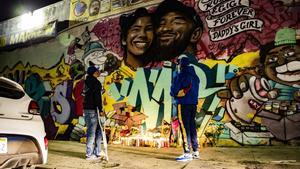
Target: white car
23, 139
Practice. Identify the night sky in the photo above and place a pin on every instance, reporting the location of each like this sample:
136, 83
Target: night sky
13, 8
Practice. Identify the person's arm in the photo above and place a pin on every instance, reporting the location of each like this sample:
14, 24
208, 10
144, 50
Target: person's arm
98, 96
176, 85
186, 85
186, 82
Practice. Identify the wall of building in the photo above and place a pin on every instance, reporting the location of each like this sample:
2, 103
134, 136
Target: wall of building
137, 103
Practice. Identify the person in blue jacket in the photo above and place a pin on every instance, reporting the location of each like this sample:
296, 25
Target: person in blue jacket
184, 89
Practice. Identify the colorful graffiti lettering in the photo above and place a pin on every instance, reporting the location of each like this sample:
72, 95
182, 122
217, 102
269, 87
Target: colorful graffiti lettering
249, 80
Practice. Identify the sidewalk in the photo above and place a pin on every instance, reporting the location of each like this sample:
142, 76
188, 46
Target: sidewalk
70, 155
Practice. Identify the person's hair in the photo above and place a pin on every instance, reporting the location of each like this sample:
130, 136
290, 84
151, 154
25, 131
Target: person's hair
176, 6
127, 20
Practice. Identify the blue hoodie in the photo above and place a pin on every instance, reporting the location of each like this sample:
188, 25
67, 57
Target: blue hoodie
183, 80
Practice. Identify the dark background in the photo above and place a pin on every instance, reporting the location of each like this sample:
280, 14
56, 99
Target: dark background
13, 8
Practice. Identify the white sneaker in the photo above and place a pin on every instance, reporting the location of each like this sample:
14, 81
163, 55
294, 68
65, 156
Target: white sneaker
91, 158
196, 155
185, 157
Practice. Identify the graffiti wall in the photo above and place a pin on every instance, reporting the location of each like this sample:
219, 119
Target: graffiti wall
246, 54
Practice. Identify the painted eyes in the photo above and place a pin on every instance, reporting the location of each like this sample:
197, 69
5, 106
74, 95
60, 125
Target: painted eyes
283, 55
139, 29
288, 54
177, 21
273, 59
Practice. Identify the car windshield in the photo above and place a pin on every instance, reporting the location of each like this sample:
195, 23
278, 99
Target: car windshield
10, 90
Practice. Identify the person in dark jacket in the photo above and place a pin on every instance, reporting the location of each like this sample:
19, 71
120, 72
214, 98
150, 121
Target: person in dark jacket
184, 89
91, 105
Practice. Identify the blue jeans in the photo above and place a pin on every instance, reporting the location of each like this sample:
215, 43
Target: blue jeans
94, 134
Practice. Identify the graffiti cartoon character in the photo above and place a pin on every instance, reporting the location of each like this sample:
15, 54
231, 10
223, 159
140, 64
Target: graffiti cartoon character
281, 61
95, 52
273, 92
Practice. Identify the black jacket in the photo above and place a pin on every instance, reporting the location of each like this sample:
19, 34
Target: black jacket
92, 92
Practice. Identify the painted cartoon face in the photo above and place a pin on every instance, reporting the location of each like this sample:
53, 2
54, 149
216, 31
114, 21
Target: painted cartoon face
173, 28
94, 8
282, 65
97, 57
140, 36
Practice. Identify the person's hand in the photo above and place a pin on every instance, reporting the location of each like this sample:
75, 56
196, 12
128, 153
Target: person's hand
246, 96
101, 113
181, 93
260, 88
236, 87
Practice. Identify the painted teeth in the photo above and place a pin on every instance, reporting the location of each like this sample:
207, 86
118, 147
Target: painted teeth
141, 44
291, 66
281, 69
289, 78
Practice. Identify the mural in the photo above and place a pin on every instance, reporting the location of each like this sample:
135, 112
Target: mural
272, 91
88, 10
245, 53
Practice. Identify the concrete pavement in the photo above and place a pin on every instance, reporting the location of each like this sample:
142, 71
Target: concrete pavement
70, 155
